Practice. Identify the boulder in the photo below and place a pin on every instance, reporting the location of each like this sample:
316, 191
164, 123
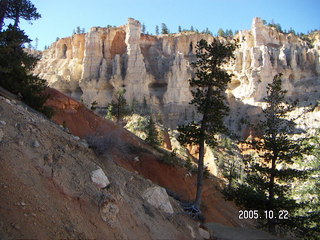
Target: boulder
109, 212
204, 233
158, 197
99, 178
36, 144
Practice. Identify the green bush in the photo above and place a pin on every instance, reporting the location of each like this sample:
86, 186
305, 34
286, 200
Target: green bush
170, 159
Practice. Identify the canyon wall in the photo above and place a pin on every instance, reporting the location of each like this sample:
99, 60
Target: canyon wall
93, 66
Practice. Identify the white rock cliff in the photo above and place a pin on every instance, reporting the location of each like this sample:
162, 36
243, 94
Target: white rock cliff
93, 66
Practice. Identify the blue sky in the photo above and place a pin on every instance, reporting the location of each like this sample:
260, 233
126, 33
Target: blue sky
60, 17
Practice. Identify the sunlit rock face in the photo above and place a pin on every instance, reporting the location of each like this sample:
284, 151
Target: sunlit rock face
92, 66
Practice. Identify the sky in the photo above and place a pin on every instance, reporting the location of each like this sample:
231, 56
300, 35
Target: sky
61, 17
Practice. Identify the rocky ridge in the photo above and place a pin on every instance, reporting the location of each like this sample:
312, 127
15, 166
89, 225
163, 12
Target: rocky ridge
92, 66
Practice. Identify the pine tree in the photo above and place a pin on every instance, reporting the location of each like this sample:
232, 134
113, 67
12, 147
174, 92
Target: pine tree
78, 30
143, 28
179, 29
36, 40
209, 98
164, 29
221, 33
152, 133
157, 30
16, 65
270, 175
308, 192
16, 10
119, 108
145, 107
3, 11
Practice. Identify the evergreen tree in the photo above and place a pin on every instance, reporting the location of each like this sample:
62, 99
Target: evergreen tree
229, 33
17, 9
221, 33
119, 108
179, 29
308, 192
3, 11
36, 43
164, 29
209, 98
145, 107
134, 106
192, 29
78, 30
143, 28
16, 64
152, 133
270, 175
207, 31
157, 30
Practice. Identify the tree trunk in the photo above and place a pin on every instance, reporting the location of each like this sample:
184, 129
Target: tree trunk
3, 10
197, 201
271, 223
17, 13
203, 128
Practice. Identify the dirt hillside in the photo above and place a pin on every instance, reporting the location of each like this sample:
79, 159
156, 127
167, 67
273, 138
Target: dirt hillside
48, 190
84, 123
53, 185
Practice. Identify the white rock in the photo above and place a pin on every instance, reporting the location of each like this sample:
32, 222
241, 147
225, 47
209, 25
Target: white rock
158, 197
84, 143
136, 159
99, 178
8, 101
3, 123
204, 233
36, 144
191, 230
76, 138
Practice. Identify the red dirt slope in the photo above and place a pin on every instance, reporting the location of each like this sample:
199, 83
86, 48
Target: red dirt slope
83, 122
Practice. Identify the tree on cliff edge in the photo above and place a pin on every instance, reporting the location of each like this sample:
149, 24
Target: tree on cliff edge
209, 84
164, 29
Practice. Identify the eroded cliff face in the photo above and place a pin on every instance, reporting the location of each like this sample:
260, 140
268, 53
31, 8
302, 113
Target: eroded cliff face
93, 66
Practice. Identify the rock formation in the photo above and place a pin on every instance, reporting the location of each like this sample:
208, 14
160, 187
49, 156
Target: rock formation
93, 66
